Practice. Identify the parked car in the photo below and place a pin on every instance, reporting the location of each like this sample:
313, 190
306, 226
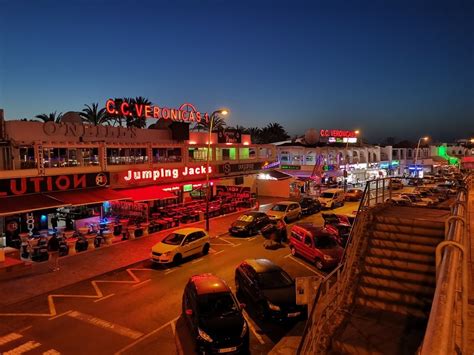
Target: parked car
309, 206
395, 184
417, 200
249, 223
269, 288
180, 244
275, 230
318, 245
332, 198
353, 194
339, 224
214, 316
399, 201
286, 210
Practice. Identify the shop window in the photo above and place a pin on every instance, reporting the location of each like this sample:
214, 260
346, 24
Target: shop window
90, 156
247, 153
284, 158
27, 157
225, 153
119, 156
198, 154
166, 155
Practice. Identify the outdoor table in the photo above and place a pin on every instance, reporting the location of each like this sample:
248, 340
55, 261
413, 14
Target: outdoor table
71, 243
108, 236
90, 241
131, 232
145, 226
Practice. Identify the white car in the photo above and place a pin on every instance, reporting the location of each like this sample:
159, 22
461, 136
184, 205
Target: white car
181, 244
332, 198
417, 200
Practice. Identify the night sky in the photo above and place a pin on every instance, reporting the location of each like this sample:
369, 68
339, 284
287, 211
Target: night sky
400, 68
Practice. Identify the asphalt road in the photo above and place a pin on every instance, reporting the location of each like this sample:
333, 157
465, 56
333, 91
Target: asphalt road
136, 310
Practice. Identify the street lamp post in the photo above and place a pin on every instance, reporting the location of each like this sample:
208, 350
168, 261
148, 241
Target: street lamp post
347, 162
416, 154
208, 187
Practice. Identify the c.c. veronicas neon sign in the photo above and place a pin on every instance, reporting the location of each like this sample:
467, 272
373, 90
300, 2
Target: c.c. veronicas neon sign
186, 112
132, 176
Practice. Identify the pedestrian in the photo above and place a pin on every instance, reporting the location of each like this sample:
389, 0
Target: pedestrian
53, 251
54, 221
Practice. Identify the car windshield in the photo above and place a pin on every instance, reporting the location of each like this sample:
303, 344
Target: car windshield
245, 218
174, 239
325, 242
279, 208
217, 304
327, 195
274, 279
306, 202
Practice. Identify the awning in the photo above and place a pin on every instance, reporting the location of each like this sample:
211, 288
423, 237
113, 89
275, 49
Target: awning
87, 196
278, 175
148, 193
27, 203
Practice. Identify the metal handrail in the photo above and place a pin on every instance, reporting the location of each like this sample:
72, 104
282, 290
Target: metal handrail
444, 334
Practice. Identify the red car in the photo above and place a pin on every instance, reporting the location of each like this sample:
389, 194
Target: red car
353, 194
316, 244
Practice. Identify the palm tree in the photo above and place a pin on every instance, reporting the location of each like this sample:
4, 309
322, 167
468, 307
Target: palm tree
52, 117
92, 114
134, 120
217, 124
274, 132
255, 134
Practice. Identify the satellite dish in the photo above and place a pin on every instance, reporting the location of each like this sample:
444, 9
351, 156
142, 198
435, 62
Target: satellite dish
311, 136
71, 117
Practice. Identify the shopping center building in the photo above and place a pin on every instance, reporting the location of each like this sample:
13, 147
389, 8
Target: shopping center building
81, 174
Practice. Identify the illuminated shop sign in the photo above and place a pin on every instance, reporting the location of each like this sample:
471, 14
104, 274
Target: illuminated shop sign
87, 131
337, 133
290, 167
185, 113
228, 168
150, 175
39, 184
268, 165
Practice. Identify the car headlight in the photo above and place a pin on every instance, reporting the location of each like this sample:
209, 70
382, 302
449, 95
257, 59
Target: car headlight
204, 335
168, 253
272, 306
328, 257
244, 329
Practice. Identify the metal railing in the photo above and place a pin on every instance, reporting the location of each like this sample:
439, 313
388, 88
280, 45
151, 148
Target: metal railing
446, 332
335, 287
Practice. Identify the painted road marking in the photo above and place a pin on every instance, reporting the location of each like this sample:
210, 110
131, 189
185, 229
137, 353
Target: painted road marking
236, 245
52, 352
220, 251
9, 337
142, 283
250, 239
101, 323
287, 256
252, 328
131, 345
306, 266
61, 314
25, 328
197, 260
171, 270
104, 298
23, 348
227, 241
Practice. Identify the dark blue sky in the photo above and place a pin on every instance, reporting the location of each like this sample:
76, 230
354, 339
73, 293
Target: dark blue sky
400, 68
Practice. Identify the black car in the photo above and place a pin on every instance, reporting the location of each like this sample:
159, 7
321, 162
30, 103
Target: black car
269, 288
249, 223
309, 206
214, 316
275, 230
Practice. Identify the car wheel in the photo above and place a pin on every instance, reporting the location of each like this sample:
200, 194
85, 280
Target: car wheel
205, 249
299, 216
293, 250
178, 258
319, 264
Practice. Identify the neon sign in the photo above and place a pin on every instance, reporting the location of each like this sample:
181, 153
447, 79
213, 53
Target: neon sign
132, 176
186, 112
337, 133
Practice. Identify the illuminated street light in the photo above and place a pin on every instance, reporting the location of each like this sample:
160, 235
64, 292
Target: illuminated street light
215, 114
416, 153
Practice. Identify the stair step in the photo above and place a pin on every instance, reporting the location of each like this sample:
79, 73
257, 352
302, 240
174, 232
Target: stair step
403, 308
391, 294
398, 245
410, 230
401, 263
397, 273
407, 238
416, 287
411, 222
390, 253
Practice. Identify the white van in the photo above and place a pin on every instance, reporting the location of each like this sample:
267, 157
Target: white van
332, 198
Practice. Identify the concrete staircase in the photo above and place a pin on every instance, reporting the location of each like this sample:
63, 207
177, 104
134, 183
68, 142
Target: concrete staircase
396, 284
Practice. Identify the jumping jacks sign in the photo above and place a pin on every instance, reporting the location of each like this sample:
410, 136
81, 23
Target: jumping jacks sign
40, 184
137, 177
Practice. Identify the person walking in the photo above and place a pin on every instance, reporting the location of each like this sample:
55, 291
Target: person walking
53, 251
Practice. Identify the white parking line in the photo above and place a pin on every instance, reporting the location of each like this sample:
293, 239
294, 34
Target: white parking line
306, 266
104, 298
250, 239
61, 314
146, 336
23, 348
220, 251
170, 271
10, 337
141, 283
236, 245
252, 328
197, 260
225, 240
